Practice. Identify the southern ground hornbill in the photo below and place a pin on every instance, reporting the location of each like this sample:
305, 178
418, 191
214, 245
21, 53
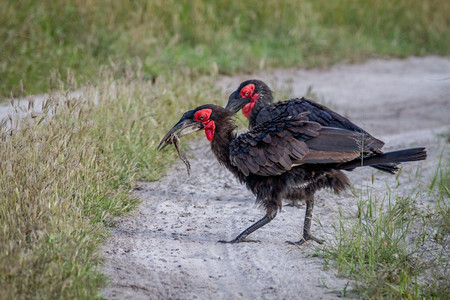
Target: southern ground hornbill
284, 155
255, 98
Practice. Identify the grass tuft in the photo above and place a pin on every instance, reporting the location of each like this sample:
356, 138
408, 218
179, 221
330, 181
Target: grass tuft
374, 250
394, 249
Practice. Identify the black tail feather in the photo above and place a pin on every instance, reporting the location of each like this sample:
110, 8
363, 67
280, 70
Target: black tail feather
388, 168
387, 161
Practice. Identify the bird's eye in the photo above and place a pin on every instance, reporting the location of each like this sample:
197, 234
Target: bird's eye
247, 91
203, 115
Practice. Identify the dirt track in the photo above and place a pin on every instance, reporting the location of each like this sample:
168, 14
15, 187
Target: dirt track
167, 249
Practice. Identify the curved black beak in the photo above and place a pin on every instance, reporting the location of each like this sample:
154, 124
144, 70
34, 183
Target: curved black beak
183, 127
235, 102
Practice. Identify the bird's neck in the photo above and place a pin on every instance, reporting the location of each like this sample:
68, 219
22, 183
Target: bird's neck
262, 101
220, 145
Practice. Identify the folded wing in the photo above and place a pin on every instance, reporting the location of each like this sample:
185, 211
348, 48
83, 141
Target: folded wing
276, 146
318, 113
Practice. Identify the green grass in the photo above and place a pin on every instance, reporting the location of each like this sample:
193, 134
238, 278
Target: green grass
395, 249
63, 178
44, 41
440, 186
441, 178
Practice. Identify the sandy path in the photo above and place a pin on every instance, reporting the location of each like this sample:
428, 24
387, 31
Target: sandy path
167, 248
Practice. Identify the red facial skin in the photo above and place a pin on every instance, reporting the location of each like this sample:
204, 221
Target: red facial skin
247, 92
202, 116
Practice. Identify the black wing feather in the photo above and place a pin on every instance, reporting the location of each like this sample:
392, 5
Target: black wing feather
278, 145
317, 113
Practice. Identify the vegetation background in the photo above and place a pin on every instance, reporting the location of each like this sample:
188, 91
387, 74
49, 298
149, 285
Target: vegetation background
143, 63
46, 41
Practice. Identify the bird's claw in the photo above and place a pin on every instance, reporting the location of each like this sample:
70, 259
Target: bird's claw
306, 238
242, 240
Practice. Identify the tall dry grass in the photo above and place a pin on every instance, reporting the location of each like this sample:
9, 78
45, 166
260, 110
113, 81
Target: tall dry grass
64, 172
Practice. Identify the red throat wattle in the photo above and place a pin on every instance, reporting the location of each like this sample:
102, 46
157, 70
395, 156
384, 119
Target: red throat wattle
247, 109
202, 116
209, 130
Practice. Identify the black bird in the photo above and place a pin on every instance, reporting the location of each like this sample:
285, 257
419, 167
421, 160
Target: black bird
255, 98
284, 154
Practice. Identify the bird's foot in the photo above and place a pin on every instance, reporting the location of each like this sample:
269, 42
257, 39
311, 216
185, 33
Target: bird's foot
307, 238
241, 240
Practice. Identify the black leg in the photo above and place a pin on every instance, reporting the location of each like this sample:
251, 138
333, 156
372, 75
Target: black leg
242, 237
307, 224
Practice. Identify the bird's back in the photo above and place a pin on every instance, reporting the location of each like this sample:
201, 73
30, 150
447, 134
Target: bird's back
317, 113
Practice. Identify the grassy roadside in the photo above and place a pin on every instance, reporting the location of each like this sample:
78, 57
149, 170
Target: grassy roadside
396, 248
46, 41
63, 178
